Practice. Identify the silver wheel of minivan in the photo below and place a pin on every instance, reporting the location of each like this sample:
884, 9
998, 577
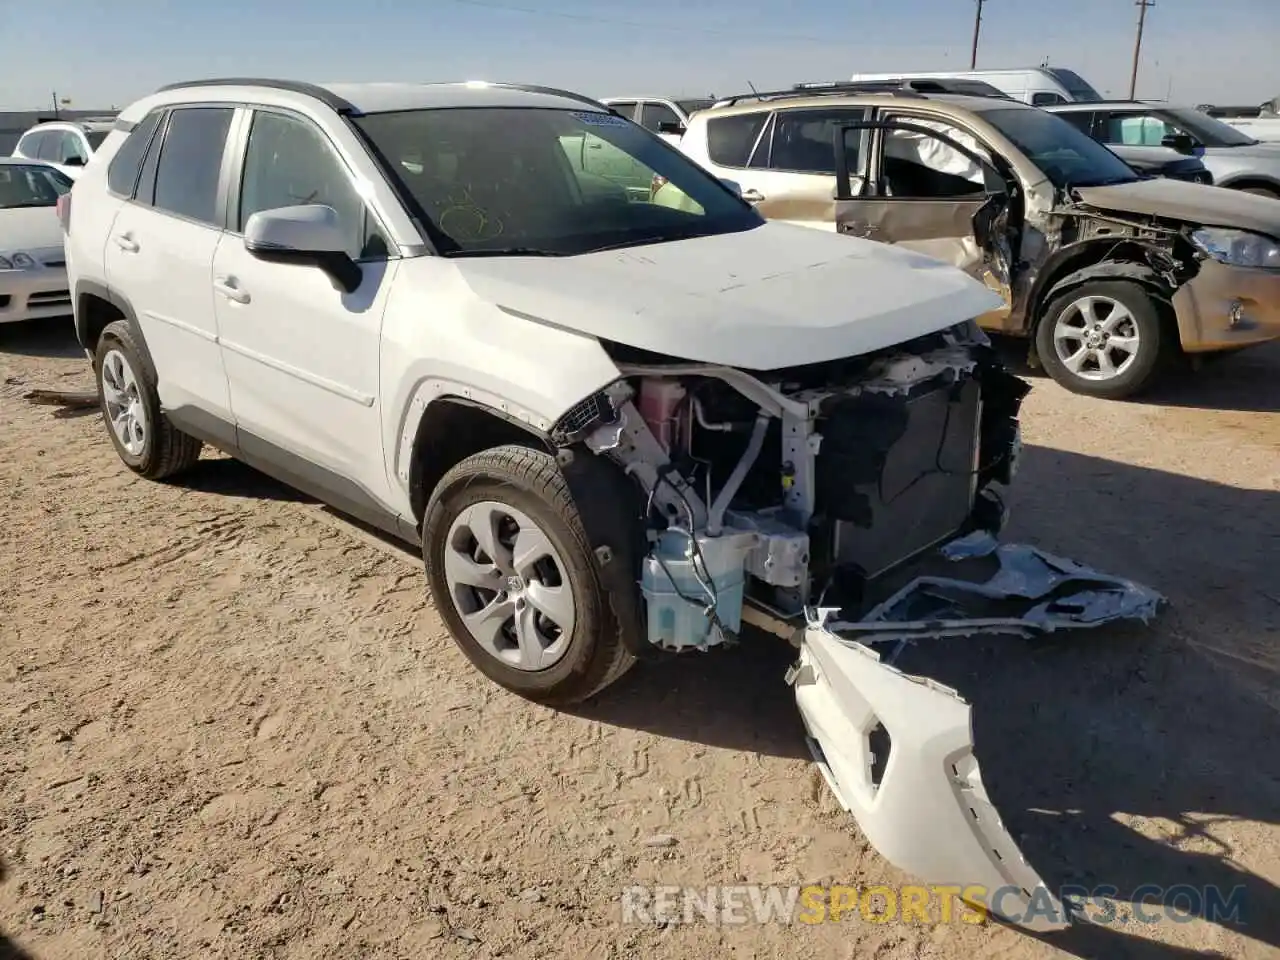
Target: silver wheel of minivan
1097, 338
509, 584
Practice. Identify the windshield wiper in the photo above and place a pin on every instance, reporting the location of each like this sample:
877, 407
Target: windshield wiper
504, 252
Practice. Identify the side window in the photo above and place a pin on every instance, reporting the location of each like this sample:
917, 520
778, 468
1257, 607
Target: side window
122, 172
190, 161
1044, 99
652, 114
1082, 120
1133, 129
289, 163
922, 167
730, 139
625, 107
70, 145
804, 140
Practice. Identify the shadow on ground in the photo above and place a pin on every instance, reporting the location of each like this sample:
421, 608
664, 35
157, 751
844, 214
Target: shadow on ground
10, 950
41, 338
1175, 723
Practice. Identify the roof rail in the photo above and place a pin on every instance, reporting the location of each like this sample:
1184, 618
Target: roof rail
833, 88
293, 86
554, 92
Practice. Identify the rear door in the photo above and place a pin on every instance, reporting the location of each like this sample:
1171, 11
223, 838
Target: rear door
785, 160
932, 187
159, 255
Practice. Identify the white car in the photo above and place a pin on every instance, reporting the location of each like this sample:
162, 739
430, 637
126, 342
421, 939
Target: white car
33, 275
665, 116
65, 144
612, 427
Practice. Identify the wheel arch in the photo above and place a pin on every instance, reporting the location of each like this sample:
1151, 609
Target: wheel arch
451, 428
1098, 259
96, 307
1249, 181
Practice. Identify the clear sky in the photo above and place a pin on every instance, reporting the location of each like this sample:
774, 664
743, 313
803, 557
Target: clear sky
104, 54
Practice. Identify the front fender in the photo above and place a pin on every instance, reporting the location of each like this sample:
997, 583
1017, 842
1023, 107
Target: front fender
440, 340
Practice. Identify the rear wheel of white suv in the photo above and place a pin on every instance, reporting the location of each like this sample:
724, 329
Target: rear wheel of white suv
514, 577
144, 438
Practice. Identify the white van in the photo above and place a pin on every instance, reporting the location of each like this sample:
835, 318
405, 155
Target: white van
1038, 86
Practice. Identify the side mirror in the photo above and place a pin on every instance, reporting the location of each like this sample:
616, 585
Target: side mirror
1181, 142
673, 127
75, 160
310, 234
732, 185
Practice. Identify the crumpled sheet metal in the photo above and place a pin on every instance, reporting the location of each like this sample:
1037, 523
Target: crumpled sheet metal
1050, 592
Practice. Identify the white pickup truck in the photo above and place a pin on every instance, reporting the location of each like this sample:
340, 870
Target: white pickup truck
1261, 123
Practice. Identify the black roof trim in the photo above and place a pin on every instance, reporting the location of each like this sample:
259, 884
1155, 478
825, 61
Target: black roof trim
293, 86
826, 90
554, 92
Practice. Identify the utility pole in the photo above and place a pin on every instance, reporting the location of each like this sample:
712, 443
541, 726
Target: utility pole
1137, 43
55, 104
977, 30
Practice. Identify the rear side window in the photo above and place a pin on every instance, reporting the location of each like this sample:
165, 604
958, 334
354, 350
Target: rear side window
804, 140
29, 145
122, 172
1044, 99
730, 139
190, 161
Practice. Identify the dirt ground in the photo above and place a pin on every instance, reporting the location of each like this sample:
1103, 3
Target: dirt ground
232, 725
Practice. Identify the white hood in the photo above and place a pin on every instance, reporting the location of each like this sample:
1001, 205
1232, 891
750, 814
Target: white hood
774, 296
30, 229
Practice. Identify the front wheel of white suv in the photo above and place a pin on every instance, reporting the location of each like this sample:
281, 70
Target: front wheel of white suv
144, 438
512, 572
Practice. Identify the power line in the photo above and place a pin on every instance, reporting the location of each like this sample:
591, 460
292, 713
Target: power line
639, 25
1137, 43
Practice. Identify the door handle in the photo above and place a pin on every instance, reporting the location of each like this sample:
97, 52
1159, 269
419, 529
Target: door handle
126, 243
752, 196
227, 287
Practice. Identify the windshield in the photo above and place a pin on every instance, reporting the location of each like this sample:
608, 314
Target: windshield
501, 180
1075, 85
30, 185
1066, 155
1210, 132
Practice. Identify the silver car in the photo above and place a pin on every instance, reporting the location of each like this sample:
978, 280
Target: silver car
1235, 159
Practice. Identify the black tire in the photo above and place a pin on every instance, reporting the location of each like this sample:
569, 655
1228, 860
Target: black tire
1154, 339
530, 481
1262, 192
166, 451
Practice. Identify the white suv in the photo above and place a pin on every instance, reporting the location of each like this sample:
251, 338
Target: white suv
65, 144
614, 427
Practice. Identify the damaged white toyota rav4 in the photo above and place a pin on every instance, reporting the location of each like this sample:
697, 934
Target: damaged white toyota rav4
614, 427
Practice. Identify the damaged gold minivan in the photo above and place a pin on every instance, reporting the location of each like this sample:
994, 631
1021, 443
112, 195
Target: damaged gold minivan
1109, 274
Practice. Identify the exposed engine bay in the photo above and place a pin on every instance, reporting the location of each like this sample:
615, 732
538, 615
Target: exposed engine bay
802, 487
849, 507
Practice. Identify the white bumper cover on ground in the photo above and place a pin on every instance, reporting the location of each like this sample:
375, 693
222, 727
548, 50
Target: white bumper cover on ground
925, 809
